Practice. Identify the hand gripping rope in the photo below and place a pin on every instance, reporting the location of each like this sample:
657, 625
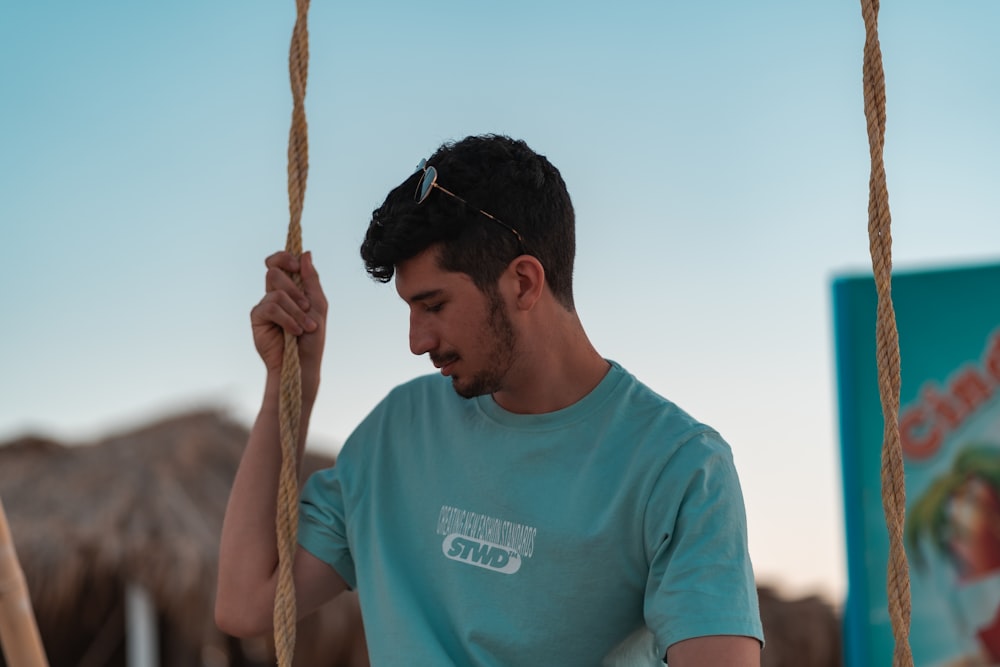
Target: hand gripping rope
290, 402
887, 341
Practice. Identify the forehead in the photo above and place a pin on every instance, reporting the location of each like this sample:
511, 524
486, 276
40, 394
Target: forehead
422, 277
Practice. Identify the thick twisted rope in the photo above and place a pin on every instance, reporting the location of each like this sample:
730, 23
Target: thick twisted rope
290, 402
887, 341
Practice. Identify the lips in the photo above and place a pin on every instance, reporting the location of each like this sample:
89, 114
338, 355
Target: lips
444, 364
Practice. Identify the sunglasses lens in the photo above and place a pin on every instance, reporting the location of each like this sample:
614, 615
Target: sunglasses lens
426, 184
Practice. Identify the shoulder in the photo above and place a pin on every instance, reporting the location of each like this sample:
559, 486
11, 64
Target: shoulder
431, 387
400, 413
661, 420
410, 397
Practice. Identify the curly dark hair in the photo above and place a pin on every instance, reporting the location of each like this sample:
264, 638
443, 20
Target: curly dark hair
492, 173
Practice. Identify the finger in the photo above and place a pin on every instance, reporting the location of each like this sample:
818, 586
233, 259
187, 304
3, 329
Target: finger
283, 260
311, 284
278, 280
282, 265
278, 309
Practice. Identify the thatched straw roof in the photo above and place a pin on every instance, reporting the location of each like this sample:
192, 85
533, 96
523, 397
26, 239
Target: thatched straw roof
800, 632
145, 507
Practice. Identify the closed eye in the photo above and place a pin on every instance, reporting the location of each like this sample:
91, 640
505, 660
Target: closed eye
434, 307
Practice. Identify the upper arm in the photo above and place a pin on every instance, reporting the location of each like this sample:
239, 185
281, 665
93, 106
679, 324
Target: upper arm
715, 651
316, 582
701, 581
251, 613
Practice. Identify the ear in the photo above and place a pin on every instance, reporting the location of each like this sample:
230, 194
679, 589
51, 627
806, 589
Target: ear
527, 279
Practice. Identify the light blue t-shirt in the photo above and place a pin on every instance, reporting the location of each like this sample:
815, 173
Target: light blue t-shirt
476, 536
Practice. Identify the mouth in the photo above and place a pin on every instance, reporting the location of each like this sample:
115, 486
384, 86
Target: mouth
445, 365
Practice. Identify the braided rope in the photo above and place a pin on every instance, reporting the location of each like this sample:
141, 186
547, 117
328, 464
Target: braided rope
290, 402
887, 341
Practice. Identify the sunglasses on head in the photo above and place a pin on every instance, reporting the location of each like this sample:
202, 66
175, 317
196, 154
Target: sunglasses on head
429, 181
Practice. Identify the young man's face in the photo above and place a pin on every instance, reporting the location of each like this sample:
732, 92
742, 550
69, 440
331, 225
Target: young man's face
466, 333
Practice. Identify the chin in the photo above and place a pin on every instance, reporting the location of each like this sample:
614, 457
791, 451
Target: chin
475, 386
465, 391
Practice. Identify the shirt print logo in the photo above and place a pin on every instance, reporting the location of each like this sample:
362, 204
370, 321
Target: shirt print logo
481, 554
483, 541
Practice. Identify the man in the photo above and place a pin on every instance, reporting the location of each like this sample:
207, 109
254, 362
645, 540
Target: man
533, 504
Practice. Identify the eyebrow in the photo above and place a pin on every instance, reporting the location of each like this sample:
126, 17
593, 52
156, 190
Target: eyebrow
424, 296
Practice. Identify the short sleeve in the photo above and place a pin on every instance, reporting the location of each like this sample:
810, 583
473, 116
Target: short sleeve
322, 528
701, 580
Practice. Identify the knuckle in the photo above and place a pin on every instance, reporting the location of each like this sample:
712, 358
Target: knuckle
275, 257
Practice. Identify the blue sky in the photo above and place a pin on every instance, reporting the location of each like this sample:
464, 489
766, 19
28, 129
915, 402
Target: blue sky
716, 153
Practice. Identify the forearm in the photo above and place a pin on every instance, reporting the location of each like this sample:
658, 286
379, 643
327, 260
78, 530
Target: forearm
715, 651
248, 553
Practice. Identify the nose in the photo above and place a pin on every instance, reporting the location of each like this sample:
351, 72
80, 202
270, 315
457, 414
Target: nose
422, 338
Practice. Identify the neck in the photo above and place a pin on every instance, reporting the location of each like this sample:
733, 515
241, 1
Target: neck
557, 366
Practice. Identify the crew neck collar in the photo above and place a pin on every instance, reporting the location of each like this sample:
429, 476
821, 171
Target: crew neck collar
558, 418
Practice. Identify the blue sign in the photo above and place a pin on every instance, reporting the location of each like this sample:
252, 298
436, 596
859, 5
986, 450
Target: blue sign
949, 341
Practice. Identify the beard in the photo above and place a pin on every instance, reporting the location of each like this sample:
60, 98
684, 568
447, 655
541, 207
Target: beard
500, 332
